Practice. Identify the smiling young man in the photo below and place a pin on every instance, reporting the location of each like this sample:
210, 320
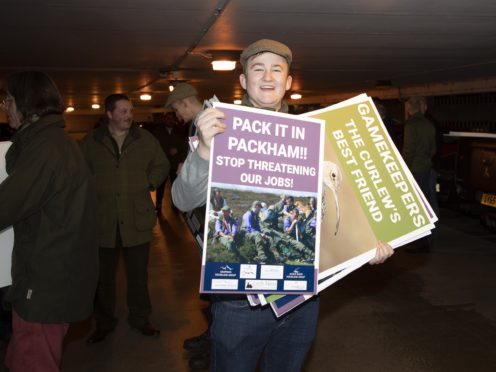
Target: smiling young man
243, 336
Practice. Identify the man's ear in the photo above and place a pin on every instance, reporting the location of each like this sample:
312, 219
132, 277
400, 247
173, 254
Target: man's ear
242, 81
109, 115
289, 81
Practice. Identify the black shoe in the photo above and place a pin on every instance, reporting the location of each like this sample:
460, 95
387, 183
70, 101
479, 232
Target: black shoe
198, 342
148, 330
98, 336
201, 361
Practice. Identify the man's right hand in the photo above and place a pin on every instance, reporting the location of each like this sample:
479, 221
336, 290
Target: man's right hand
209, 124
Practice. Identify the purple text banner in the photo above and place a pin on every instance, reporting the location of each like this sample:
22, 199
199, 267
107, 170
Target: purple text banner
267, 150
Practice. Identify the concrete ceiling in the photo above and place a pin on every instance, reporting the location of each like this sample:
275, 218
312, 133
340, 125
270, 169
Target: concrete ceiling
93, 48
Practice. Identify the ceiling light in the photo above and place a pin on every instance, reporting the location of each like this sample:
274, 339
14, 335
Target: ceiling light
237, 102
223, 65
95, 106
171, 88
69, 109
224, 60
145, 97
296, 96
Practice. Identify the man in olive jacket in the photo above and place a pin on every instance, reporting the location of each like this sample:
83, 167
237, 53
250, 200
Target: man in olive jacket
128, 163
49, 197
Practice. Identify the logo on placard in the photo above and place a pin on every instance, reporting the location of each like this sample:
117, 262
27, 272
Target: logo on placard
296, 274
225, 271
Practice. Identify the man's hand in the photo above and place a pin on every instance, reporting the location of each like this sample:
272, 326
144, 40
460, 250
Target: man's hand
382, 253
209, 125
179, 167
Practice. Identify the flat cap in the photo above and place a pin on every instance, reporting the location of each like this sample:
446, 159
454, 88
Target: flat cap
181, 91
225, 208
266, 45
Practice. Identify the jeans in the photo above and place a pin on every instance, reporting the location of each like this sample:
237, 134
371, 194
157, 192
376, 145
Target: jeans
242, 336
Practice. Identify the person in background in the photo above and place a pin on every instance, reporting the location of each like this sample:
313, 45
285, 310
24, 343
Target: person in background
49, 197
175, 146
242, 336
185, 103
128, 163
419, 148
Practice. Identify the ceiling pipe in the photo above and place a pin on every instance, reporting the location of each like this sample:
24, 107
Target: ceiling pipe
220, 7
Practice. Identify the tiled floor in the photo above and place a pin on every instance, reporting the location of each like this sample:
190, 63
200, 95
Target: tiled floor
421, 311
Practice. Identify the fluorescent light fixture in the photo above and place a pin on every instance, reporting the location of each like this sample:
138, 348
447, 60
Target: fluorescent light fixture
145, 97
296, 96
69, 109
95, 106
237, 102
223, 65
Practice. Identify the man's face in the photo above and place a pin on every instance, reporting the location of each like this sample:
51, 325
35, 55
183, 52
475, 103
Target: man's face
183, 110
122, 116
14, 117
266, 80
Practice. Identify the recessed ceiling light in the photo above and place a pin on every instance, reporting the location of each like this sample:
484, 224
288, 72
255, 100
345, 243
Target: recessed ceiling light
237, 102
296, 96
145, 97
69, 109
223, 65
95, 106
171, 88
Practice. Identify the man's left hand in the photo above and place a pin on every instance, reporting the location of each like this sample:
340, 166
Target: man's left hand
382, 253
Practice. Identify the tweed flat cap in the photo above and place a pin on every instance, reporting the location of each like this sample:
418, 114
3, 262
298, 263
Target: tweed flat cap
266, 45
181, 91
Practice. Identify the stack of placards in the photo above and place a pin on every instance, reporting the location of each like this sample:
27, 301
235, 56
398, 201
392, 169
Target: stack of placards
309, 196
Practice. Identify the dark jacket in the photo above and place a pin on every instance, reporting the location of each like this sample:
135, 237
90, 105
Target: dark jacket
50, 199
175, 139
124, 183
419, 143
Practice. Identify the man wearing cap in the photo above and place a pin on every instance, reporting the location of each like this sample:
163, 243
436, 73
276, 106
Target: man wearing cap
241, 336
226, 228
184, 101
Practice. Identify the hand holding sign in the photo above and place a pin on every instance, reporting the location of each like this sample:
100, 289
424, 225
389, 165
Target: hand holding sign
209, 125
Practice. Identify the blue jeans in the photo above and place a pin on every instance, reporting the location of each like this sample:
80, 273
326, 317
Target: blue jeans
242, 336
